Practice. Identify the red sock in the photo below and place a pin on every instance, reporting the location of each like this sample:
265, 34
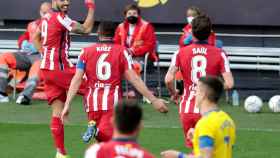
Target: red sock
57, 130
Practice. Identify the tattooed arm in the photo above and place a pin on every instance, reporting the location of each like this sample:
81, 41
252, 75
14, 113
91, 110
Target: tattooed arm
87, 26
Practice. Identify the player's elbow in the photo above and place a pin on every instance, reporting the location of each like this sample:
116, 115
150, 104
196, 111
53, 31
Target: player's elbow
169, 79
131, 76
87, 31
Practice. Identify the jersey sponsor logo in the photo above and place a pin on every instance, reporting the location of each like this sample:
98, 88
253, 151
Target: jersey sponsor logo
102, 85
128, 150
150, 3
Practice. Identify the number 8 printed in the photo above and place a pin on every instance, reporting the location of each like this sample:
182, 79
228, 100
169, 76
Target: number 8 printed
199, 64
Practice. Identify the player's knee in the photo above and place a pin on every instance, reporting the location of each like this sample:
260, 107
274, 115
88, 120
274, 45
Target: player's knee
57, 107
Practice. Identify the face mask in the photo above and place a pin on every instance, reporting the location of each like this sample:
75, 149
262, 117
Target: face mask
190, 19
132, 19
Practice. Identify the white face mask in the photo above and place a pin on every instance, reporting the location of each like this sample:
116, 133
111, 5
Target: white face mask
190, 19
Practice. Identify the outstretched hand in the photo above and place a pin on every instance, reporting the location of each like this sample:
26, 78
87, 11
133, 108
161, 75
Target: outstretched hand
65, 113
159, 105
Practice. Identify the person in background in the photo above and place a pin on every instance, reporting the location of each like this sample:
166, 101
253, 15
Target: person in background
215, 133
27, 59
138, 36
186, 38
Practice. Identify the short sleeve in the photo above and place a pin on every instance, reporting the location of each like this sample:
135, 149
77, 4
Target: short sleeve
92, 151
66, 22
126, 60
224, 63
81, 64
206, 129
206, 142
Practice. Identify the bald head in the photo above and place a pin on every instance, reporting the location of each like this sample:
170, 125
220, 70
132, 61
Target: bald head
44, 8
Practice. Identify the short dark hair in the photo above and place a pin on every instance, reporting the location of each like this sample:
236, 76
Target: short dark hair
201, 27
215, 87
107, 29
131, 7
196, 10
128, 116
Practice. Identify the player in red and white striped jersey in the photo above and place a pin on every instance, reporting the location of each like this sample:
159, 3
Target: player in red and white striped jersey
105, 64
53, 41
194, 61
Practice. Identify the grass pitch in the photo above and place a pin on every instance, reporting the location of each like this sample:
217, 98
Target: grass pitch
25, 133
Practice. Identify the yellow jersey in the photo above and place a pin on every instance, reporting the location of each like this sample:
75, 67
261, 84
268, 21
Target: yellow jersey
215, 129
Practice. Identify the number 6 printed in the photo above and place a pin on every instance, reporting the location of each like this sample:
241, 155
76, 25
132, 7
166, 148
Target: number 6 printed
102, 64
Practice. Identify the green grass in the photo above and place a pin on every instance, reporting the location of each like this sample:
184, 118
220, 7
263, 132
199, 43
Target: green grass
24, 131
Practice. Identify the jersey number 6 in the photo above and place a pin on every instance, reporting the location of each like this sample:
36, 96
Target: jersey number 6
103, 65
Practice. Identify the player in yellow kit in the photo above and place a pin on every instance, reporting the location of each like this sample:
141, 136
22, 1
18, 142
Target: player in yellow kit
214, 134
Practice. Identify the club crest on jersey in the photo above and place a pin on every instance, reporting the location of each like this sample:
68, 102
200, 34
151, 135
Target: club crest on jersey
200, 51
150, 3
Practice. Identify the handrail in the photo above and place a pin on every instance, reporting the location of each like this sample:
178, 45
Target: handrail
173, 33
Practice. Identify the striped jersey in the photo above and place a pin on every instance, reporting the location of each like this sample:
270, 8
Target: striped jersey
55, 28
195, 61
104, 65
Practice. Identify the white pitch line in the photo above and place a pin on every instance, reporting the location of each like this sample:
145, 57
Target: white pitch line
269, 130
238, 129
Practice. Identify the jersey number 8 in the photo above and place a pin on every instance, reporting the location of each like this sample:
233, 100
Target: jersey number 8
199, 64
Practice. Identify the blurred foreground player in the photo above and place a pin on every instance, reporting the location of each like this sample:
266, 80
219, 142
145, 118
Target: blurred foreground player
127, 124
53, 40
214, 135
27, 60
105, 64
196, 60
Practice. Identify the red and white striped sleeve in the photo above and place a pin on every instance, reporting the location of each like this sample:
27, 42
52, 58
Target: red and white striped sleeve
224, 63
66, 22
174, 61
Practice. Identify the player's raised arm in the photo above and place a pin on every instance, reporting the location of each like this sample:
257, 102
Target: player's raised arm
87, 26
